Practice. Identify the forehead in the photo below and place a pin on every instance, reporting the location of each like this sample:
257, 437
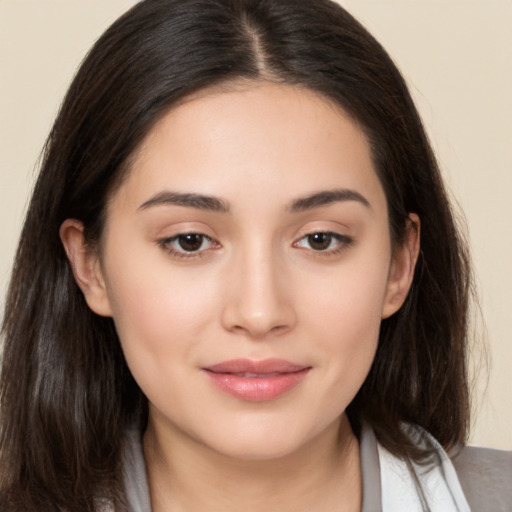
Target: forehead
261, 141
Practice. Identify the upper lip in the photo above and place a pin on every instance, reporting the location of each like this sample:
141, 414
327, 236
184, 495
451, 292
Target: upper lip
261, 367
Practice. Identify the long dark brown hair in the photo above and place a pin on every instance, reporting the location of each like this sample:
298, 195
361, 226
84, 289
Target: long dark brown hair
66, 393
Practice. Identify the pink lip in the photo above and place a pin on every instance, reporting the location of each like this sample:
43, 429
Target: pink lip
256, 381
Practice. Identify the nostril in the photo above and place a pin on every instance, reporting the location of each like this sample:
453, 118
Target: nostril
279, 328
257, 308
258, 332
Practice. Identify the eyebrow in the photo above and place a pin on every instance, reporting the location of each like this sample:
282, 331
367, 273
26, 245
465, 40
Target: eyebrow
189, 200
327, 197
215, 204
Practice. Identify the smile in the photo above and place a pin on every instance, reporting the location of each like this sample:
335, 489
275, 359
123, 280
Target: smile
256, 381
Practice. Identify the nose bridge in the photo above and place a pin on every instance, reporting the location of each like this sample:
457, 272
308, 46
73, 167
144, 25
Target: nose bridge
258, 303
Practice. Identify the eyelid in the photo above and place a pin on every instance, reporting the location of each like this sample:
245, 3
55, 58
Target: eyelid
166, 243
344, 242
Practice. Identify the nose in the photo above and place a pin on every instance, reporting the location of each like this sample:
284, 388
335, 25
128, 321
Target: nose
259, 302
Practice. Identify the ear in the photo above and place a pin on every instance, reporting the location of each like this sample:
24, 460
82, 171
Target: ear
402, 267
86, 266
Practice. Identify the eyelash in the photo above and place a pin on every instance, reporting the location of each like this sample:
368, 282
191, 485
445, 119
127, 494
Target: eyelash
167, 244
343, 243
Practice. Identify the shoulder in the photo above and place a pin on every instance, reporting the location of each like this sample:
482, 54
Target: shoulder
485, 476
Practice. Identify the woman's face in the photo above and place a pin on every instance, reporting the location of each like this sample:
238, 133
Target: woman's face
247, 264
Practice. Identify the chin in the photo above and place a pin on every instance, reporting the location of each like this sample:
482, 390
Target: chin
264, 451
263, 442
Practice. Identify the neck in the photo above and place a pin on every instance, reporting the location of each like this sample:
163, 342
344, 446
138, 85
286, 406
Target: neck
186, 476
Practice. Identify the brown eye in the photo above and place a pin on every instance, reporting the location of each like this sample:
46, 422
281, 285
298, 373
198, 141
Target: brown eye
188, 245
324, 242
190, 242
319, 241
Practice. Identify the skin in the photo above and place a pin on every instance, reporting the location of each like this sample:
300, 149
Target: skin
257, 288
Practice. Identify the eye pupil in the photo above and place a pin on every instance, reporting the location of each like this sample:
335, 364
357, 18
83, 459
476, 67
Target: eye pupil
190, 242
319, 241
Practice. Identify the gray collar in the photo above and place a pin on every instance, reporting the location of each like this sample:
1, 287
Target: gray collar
137, 490
370, 469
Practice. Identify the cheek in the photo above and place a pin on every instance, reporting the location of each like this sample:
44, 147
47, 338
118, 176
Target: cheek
349, 300
345, 315
159, 310
348, 332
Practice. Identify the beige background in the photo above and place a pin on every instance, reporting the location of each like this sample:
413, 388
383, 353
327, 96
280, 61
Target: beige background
456, 56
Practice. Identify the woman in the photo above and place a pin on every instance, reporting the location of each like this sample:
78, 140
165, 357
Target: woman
220, 299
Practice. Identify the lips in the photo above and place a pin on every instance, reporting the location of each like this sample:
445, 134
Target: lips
256, 381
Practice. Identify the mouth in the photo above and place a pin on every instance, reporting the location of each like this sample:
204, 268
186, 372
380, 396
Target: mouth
256, 381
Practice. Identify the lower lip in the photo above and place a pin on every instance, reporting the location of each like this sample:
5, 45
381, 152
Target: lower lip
257, 389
